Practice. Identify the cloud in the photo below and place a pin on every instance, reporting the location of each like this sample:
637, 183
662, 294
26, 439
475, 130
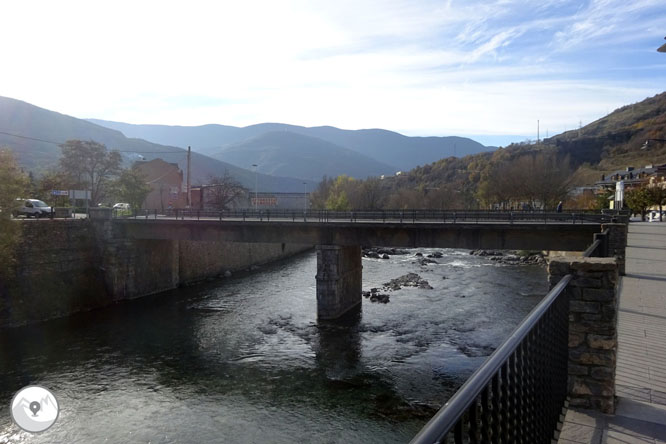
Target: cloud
431, 66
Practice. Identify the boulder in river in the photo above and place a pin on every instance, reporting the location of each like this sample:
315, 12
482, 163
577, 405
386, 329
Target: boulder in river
407, 280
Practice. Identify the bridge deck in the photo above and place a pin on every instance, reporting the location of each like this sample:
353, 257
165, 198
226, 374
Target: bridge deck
523, 235
641, 360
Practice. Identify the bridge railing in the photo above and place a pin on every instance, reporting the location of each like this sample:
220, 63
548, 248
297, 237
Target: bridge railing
385, 216
518, 394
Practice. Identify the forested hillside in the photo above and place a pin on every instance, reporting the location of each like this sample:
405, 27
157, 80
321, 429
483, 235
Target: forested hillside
520, 172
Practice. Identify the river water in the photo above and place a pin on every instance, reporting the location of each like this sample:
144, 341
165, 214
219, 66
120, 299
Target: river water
244, 359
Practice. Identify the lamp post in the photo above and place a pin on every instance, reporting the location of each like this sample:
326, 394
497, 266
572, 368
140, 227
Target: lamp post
256, 184
305, 198
647, 143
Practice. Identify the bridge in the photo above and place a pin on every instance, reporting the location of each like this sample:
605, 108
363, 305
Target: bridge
339, 236
563, 352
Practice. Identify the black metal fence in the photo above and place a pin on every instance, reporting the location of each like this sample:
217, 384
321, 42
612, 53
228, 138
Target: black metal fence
386, 216
518, 394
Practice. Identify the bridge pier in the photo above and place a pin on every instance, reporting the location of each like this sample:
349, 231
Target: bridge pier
339, 280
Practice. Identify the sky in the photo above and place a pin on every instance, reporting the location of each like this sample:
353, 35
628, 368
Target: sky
490, 70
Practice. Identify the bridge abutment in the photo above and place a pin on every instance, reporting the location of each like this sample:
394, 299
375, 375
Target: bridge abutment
593, 308
339, 280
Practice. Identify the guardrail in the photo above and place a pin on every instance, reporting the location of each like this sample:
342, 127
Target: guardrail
392, 216
518, 394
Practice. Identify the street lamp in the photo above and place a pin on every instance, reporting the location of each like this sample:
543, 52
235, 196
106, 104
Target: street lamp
256, 184
305, 198
647, 143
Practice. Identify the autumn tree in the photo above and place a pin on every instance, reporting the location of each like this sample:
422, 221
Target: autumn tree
657, 196
13, 184
131, 187
91, 166
319, 196
638, 199
222, 191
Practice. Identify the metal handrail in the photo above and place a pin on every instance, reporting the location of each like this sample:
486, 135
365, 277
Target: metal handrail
385, 216
446, 418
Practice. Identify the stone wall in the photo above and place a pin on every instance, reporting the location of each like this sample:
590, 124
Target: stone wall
58, 272
67, 266
617, 243
593, 306
202, 260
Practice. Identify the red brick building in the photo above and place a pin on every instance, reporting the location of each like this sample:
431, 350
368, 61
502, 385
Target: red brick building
166, 181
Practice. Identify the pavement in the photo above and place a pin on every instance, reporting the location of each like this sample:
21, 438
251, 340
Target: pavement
640, 383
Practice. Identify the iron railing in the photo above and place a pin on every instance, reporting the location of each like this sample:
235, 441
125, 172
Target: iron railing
518, 394
386, 216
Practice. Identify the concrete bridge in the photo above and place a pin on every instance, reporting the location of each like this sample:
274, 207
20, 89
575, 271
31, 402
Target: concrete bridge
338, 240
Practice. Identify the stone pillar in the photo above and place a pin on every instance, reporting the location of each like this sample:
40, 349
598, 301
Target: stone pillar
593, 305
617, 243
339, 280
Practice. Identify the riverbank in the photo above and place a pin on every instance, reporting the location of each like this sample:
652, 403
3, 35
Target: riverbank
62, 267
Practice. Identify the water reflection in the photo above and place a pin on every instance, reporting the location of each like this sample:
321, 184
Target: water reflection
338, 347
245, 359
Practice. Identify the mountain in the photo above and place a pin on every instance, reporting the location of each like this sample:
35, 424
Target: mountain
388, 147
52, 128
285, 153
613, 142
617, 140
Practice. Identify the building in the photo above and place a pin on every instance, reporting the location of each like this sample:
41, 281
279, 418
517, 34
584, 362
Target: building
631, 177
166, 181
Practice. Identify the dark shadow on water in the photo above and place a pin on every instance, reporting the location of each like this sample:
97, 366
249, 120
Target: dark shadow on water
338, 348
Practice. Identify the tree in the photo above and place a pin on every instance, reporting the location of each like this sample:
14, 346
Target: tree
338, 196
657, 196
131, 187
222, 191
638, 199
90, 165
53, 179
13, 184
371, 196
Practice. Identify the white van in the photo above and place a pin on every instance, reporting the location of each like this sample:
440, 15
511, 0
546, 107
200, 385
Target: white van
32, 207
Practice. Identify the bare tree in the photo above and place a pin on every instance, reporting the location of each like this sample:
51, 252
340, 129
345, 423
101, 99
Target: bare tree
90, 164
222, 191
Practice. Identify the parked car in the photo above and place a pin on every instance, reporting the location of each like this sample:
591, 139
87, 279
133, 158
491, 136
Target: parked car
31, 208
653, 216
121, 206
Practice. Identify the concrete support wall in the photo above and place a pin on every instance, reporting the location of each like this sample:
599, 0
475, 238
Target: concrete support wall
593, 305
67, 266
58, 272
617, 243
339, 280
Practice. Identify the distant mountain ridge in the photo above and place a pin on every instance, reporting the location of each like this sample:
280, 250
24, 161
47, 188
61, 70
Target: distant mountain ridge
284, 153
23, 119
388, 147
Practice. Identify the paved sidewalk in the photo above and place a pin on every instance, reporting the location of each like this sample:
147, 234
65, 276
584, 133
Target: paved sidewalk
640, 381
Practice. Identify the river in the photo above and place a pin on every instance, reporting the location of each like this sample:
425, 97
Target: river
244, 360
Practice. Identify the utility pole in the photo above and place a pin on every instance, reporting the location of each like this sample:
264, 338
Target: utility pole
537, 131
256, 186
189, 174
305, 197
